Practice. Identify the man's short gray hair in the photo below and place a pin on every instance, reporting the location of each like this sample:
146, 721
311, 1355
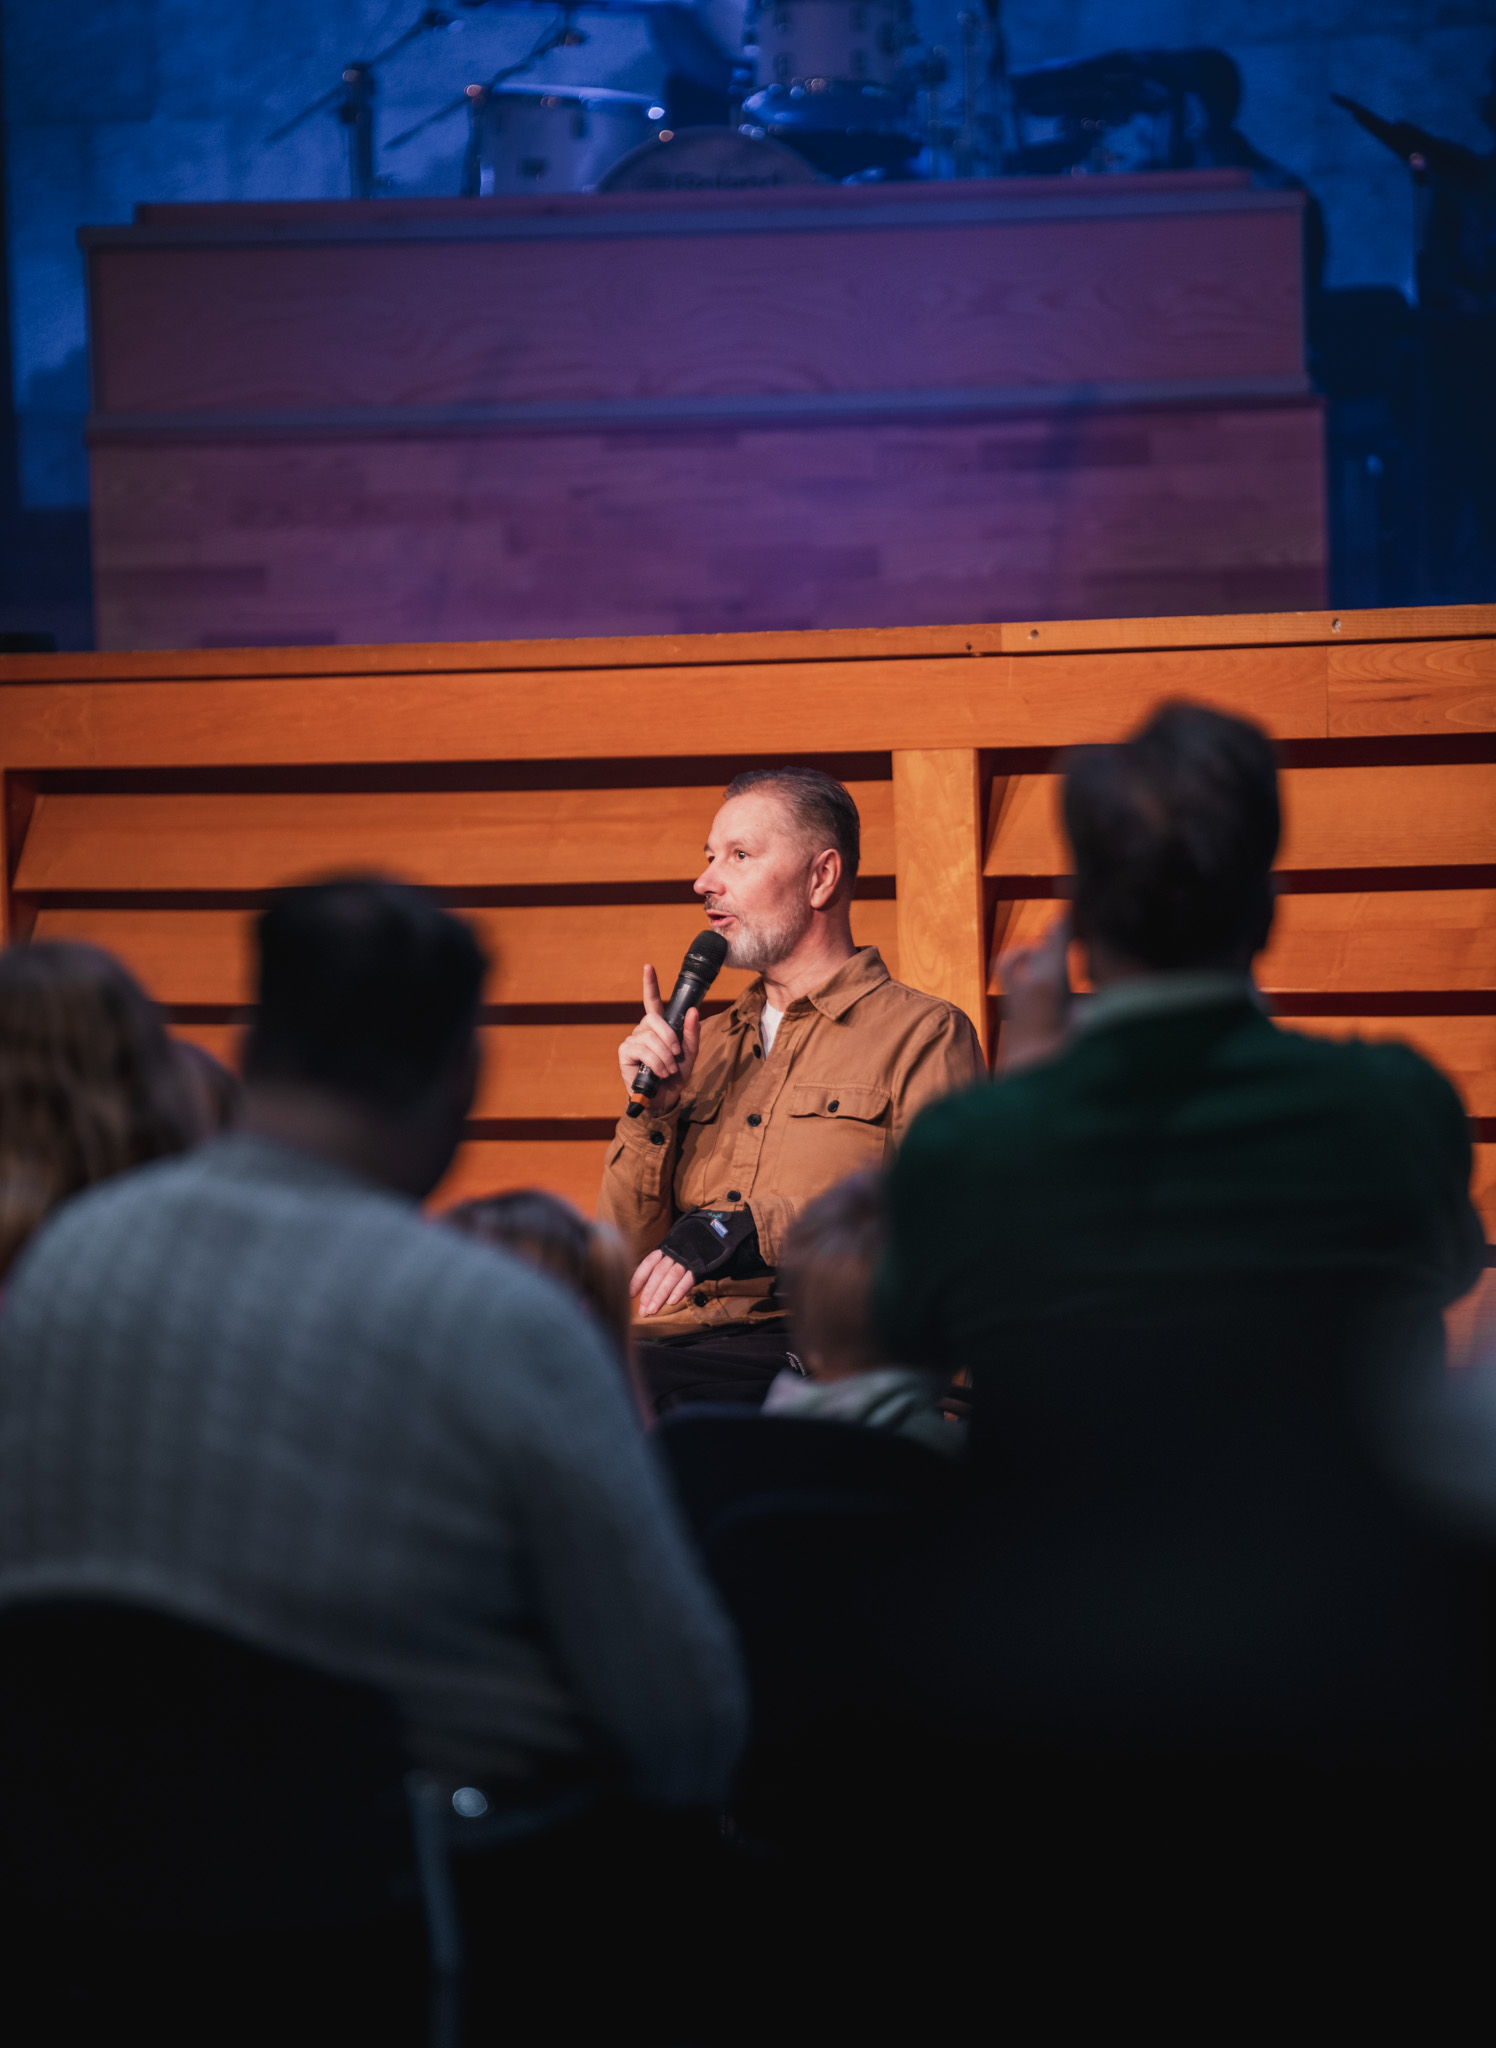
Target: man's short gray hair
821, 805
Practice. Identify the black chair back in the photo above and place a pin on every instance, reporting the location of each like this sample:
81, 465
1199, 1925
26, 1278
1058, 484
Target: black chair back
154, 1773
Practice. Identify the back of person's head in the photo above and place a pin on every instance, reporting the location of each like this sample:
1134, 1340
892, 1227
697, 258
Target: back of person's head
1174, 833
826, 1276
549, 1233
368, 990
90, 1083
824, 810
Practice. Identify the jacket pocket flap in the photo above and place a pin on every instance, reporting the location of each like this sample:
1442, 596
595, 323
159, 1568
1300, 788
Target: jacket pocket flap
816, 1098
702, 1112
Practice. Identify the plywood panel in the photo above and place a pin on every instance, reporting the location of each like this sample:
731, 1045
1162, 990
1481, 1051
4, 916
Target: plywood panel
1442, 686
938, 816
1406, 816
557, 955
1464, 1048
473, 839
701, 529
491, 1166
1391, 940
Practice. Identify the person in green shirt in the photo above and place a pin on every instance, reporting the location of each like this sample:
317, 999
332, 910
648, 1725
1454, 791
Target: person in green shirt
1195, 1265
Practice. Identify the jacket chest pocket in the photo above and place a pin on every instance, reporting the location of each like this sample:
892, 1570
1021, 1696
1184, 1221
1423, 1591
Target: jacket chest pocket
699, 1125
831, 1131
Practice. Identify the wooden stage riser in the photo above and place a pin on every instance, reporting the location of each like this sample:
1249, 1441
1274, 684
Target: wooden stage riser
152, 800
702, 530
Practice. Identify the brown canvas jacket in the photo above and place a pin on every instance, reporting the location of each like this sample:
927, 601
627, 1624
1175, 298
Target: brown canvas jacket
852, 1065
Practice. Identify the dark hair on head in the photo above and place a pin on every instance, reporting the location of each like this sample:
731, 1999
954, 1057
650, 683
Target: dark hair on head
367, 987
548, 1232
1174, 833
90, 1084
826, 1274
822, 807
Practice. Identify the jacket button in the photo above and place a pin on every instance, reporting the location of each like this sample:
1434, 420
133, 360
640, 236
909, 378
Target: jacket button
758, 1052
755, 1118
733, 1195
699, 1299
833, 1107
657, 1137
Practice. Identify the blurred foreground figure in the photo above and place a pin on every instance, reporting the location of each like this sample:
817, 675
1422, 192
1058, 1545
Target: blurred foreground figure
830, 1258
89, 1082
254, 1389
548, 1232
1196, 1626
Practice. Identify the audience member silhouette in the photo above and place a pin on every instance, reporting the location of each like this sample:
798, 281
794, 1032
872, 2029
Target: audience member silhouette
252, 1387
89, 1082
826, 1277
216, 1090
1195, 1262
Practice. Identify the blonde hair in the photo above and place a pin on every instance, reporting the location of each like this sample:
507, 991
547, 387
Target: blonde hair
90, 1084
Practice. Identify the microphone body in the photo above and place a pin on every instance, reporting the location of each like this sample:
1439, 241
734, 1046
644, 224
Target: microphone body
699, 969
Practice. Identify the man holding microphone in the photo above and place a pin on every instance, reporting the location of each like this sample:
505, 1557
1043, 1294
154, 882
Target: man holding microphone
815, 1072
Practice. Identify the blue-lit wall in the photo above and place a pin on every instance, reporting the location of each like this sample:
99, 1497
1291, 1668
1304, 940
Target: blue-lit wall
109, 102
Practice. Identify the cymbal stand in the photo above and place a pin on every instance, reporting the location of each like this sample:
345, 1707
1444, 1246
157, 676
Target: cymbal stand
563, 33
352, 100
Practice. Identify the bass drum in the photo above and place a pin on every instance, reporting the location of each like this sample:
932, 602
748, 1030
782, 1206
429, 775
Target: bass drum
708, 160
859, 42
553, 138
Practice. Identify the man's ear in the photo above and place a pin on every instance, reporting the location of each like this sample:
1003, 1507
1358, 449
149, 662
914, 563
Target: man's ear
825, 878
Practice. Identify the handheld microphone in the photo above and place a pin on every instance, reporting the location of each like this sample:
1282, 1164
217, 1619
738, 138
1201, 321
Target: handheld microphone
698, 971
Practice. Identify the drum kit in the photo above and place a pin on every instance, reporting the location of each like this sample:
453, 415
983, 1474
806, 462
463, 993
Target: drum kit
815, 90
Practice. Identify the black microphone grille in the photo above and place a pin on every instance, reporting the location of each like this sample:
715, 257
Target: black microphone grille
705, 957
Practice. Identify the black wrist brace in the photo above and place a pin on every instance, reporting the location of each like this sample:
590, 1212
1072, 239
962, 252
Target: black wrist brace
716, 1244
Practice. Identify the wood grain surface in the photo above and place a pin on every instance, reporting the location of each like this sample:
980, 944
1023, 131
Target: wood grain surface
479, 838
528, 1070
683, 530
1407, 816
591, 714
566, 954
1396, 626
566, 1166
1384, 941
938, 824
992, 302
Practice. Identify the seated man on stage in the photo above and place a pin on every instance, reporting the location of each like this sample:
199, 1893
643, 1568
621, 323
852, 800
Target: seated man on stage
814, 1073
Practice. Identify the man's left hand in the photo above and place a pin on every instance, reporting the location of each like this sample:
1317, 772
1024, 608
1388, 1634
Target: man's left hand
660, 1282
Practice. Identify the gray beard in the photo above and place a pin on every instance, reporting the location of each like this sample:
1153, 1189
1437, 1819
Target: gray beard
760, 947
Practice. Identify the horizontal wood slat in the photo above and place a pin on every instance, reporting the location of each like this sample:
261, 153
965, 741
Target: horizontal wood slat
1380, 940
1408, 816
474, 839
566, 1166
811, 707
666, 650
528, 1070
1483, 1188
1464, 1048
1430, 687
569, 954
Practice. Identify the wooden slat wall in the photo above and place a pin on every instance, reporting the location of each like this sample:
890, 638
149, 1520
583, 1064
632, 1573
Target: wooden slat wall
152, 799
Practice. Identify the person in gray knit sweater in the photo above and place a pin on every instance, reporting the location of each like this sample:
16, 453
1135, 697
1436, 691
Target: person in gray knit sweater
254, 1388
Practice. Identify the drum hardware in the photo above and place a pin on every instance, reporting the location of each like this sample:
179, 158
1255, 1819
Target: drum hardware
554, 138
352, 101
562, 34
708, 160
